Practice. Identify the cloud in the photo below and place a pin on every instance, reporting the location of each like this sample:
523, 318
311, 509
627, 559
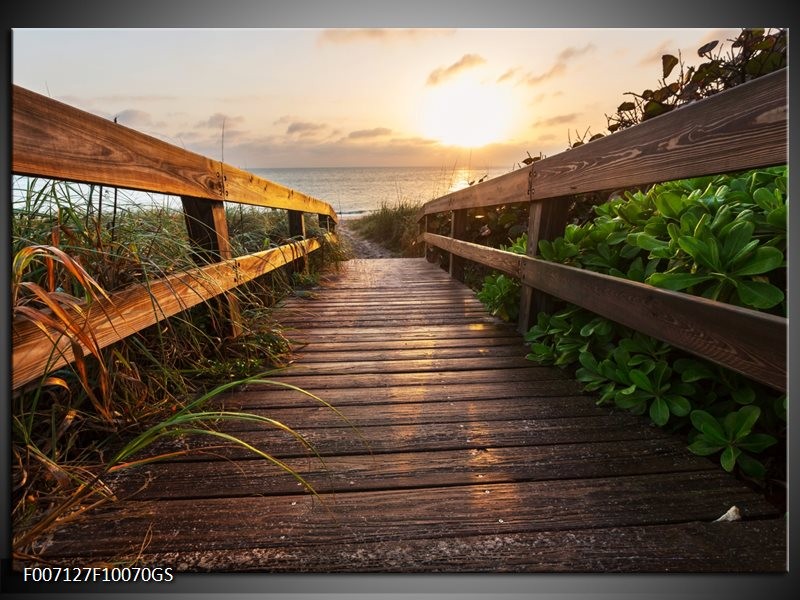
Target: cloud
465, 62
369, 133
507, 75
561, 64
304, 128
556, 120
350, 36
217, 120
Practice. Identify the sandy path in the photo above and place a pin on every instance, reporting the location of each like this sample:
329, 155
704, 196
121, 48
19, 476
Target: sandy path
358, 246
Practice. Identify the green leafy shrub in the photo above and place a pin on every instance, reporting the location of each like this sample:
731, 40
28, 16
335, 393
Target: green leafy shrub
501, 293
721, 237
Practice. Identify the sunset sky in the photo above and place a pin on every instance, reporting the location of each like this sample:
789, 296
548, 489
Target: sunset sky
353, 97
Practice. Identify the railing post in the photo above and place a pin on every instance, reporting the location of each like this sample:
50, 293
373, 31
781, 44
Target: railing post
546, 221
297, 229
458, 229
208, 233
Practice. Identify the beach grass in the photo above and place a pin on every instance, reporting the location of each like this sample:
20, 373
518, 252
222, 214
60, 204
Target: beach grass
73, 244
395, 227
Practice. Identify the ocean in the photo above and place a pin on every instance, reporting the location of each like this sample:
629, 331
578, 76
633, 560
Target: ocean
353, 191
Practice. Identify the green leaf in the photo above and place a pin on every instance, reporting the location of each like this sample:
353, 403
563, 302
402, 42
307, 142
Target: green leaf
678, 405
759, 294
746, 417
668, 63
676, 281
765, 198
756, 442
706, 48
751, 466
702, 447
709, 426
764, 259
641, 380
698, 250
728, 458
669, 204
744, 395
777, 218
659, 412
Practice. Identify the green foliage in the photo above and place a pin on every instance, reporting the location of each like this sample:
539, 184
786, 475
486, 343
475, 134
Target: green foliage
394, 227
732, 436
723, 238
501, 293
754, 53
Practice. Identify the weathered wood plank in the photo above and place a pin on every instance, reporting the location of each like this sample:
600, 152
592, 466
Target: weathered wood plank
704, 548
377, 380
741, 128
52, 139
421, 365
381, 439
414, 413
510, 348
546, 221
207, 227
747, 341
555, 390
405, 470
397, 515
139, 306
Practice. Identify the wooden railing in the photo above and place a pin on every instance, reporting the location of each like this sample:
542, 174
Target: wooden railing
54, 140
742, 128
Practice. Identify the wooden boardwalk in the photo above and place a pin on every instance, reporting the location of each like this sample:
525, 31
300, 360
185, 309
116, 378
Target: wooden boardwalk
467, 457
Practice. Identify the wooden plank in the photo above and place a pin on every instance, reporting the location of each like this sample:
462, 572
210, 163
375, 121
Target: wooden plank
326, 356
415, 366
297, 231
747, 341
410, 470
383, 412
741, 128
704, 548
458, 229
52, 139
321, 348
207, 227
546, 221
379, 380
553, 390
139, 306
427, 513
383, 439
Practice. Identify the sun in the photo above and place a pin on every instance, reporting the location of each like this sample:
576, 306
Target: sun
466, 113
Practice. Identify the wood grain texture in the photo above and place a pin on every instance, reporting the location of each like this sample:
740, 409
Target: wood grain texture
52, 139
452, 467
747, 341
207, 227
742, 128
704, 547
131, 310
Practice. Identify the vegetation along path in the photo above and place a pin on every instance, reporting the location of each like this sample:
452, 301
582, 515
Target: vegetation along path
464, 456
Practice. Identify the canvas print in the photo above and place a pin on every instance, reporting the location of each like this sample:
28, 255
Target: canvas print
398, 300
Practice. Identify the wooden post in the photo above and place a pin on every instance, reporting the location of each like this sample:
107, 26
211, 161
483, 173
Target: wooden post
546, 221
297, 229
208, 233
458, 229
